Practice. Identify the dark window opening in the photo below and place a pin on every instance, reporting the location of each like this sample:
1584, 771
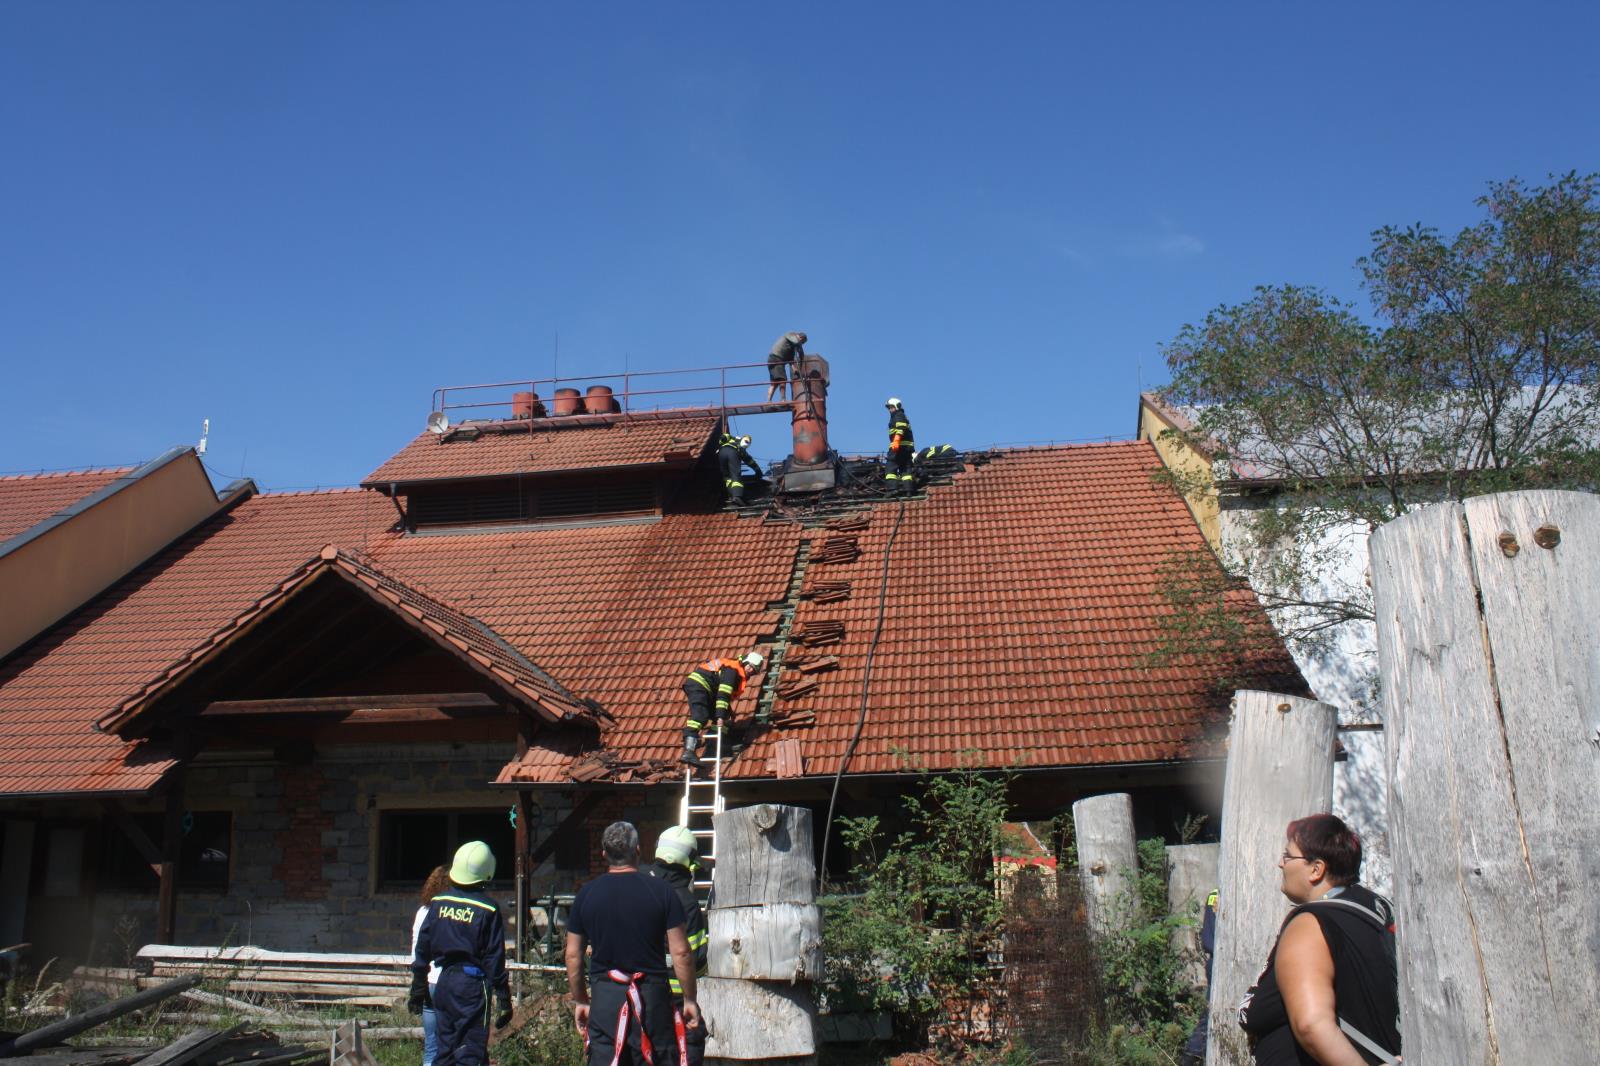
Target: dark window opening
412, 843
203, 853
509, 502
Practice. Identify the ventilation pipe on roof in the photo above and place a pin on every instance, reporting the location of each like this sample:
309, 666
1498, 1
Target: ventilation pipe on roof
811, 467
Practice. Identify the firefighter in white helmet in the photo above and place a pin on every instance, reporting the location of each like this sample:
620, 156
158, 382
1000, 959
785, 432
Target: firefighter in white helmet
677, 862
718, 680
897, 474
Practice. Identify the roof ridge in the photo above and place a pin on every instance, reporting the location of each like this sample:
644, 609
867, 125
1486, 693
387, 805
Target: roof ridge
41, 475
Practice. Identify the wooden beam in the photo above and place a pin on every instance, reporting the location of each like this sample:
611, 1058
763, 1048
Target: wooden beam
56, 1032
171, 849
580, 811
461, 702
141, 843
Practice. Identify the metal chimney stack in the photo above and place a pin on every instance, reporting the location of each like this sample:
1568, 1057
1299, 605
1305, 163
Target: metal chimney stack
811, 466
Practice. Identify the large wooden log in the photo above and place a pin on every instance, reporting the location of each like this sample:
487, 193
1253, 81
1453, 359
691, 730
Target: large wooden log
1108, 859
1280, 767
748, 1020
1491, 682
772, 942
1191, 877
764, 855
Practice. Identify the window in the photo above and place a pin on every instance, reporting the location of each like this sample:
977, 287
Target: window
203, 853
412, 843
510, 502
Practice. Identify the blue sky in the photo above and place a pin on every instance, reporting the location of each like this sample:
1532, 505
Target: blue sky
297, 219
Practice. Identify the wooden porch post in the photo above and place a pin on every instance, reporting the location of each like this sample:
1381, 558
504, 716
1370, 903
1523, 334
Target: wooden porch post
171, 849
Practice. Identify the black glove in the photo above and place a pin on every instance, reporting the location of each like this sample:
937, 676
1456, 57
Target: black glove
418, 997
502, 1002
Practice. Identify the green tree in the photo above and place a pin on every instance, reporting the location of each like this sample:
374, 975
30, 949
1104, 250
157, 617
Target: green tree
916, 936
1475, 369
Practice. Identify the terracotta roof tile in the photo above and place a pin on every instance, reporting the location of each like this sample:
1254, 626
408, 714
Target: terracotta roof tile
501, 453
28, 499
1049, 553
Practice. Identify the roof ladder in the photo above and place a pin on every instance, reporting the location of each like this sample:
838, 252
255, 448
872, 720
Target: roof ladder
702, 802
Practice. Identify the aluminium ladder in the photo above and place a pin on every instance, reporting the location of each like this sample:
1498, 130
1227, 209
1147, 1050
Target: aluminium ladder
697, 811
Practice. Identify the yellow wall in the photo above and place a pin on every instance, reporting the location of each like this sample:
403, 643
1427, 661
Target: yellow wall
1184, 460
52, 575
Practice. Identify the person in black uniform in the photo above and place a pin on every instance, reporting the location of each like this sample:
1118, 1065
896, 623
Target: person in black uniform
723, 679
732, 453
630, 922
902, 449
677, 858
463, 934
1194, 1049
1330, 994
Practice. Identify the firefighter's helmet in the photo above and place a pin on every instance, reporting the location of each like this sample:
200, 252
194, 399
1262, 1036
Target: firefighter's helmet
753, 661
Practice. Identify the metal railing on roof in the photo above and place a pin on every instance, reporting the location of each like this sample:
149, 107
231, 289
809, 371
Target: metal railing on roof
724, 391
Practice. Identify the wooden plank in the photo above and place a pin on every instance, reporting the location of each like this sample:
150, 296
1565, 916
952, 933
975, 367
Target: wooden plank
751, 1020
265, 955
347, 1047
764, 855
385, 992
1108, 859
188, 1047
1491, 681
773, 941
336, 705
1280, 767
56, 1032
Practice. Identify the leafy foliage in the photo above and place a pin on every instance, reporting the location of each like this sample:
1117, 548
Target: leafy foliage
1477, 369
918, 933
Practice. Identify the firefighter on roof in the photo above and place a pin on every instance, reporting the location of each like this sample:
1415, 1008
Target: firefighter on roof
711, 688
732, 453
902, 449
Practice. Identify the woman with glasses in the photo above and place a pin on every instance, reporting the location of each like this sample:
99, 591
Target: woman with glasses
1329, 995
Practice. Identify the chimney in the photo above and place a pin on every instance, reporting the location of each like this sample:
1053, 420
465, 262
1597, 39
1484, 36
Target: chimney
811, 466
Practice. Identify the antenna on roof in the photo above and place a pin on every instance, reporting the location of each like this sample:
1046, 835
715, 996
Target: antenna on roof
438, 422
205, 431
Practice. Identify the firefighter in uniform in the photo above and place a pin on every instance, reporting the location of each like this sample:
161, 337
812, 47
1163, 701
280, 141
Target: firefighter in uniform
677, 859
464, 934
722, 680
902, 449
732, 453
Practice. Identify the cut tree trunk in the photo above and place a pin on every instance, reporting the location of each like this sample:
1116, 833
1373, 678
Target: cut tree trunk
1191, 877
1491, 684
1280, 767
748, 1020
772, 942
764, 855
1108, 859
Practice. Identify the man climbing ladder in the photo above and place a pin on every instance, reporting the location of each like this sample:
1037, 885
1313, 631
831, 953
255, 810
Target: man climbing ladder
711, 689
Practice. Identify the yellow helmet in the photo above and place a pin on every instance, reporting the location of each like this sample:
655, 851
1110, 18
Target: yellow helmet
677, 846
473, 865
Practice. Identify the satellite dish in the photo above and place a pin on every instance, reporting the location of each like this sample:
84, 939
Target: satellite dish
438, 422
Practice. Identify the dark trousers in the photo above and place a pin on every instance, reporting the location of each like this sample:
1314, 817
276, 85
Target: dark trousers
699, 709
728, 459
461, 1006
899, 475
606, 998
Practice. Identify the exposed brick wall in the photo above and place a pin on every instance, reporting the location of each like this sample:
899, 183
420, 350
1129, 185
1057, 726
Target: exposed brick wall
308, 843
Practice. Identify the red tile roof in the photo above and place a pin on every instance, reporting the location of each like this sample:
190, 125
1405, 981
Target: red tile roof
1021, 599
499, 451
28, 499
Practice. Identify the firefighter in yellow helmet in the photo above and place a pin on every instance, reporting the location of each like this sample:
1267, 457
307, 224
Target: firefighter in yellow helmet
677, 861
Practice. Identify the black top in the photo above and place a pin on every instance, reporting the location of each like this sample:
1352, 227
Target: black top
682, 881
1365, 983
463, 928
625, 917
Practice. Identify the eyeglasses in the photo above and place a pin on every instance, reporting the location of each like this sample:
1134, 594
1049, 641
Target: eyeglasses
1286, 857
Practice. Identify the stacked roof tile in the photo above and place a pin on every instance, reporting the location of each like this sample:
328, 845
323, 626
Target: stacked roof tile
28, 499
1020, 602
